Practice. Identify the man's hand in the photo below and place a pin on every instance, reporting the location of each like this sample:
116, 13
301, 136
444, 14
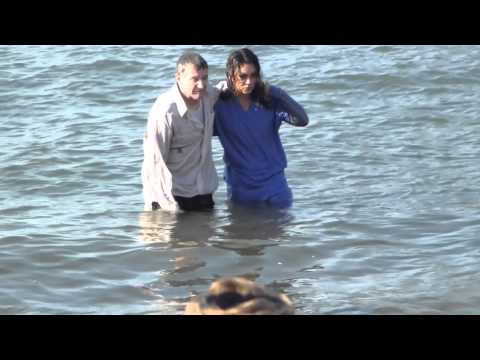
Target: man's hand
222, 86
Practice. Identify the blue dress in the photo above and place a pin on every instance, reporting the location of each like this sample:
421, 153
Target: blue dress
254, 157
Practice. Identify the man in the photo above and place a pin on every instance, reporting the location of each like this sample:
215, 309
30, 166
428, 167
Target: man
178, 170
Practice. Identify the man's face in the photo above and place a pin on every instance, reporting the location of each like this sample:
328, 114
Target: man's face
192, 82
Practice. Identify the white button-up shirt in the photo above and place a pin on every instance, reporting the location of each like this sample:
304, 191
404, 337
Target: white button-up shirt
177, 149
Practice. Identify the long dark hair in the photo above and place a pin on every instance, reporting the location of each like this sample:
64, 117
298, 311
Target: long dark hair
236, 59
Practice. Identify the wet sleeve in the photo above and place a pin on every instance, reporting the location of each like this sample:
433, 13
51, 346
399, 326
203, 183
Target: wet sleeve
287, 109
156, 176
163, 135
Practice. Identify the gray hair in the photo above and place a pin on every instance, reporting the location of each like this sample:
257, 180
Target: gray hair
191, 58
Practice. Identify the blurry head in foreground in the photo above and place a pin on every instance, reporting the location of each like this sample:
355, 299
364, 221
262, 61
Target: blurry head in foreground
238, 296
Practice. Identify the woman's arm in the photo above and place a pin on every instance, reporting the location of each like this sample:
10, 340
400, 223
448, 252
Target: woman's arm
290, 111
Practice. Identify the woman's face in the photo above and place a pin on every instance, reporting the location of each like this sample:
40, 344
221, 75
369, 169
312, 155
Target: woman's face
246, 77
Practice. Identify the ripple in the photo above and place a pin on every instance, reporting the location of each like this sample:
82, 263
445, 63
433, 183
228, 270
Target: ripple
385, 218
384, 49
120, 66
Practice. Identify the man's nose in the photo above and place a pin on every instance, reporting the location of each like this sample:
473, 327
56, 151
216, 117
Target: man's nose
202, 84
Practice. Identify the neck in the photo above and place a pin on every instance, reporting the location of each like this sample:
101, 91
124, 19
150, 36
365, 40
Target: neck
245, 101
192, 104
189, 102
244, 98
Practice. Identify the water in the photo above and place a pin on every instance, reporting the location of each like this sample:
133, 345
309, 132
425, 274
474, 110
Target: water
386, 218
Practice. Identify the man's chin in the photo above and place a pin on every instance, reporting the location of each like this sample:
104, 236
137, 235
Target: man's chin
197, 96
194, 100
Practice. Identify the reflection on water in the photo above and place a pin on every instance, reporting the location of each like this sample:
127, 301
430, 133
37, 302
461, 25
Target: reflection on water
179, 232
156, 226
385, 181
176, 229
204, 246
250, 230
246, 231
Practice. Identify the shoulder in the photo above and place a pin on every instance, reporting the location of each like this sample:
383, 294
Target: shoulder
223, 103
166, 100
226, 108
164, 106
213, 93
275, 91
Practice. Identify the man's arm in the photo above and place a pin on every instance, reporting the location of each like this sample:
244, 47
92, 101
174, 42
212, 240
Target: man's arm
161, 134
290, 111
158, 180
214, 91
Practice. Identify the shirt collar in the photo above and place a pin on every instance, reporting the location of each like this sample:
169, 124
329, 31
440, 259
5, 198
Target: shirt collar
178, 98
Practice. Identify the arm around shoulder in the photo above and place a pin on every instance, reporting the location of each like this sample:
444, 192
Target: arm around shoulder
216, 90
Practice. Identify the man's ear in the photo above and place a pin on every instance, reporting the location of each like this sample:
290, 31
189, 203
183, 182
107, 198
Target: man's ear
179, 72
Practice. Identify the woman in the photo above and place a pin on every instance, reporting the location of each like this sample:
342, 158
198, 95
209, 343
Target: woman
248, 116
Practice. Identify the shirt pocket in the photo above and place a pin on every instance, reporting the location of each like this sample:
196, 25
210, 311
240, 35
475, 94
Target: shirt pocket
186, 135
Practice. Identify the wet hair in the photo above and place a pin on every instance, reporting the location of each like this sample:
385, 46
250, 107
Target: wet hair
242, 57
192, 58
